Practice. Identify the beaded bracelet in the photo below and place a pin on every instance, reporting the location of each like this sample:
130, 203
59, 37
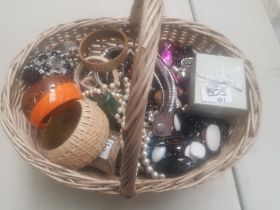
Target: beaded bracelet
45, 65
145, 163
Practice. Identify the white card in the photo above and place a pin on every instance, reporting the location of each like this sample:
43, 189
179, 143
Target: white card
219, 94
106, 149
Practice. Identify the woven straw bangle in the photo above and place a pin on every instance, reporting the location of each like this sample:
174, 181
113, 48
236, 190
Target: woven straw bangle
102, 34
87, 134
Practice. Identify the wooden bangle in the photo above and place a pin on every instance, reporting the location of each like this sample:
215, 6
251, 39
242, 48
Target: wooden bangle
56, 96
75, 134
101, 34
38, 90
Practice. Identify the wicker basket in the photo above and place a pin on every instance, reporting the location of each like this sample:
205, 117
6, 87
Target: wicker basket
144, 38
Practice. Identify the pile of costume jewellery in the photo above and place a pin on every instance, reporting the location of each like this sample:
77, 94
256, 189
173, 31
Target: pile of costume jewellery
77, 106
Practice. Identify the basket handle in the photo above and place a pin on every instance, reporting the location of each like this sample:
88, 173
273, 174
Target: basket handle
147, 15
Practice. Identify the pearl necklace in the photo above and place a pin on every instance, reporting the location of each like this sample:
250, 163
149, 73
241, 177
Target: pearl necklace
114, 89
145, 163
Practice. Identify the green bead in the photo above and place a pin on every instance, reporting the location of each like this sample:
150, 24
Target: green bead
110, 106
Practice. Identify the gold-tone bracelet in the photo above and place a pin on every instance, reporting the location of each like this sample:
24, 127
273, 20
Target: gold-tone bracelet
102, 34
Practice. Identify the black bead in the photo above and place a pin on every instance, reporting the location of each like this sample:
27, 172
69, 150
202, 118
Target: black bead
42, 66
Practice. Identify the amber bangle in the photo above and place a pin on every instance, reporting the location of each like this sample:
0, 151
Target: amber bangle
39, 89
102, 34
56, 96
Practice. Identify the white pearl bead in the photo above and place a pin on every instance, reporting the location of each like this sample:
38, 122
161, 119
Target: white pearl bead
145, 146
125, 79
120, 100
118, 95
123, 124
145, 161
127, 91
91, 92
98, 91
117, 116
123, 103
118, 84
161, 176
112, 85
149, 169
155, 175
147, 139
119, 121
125, 97
144, 154
120, 110
104, 86
84, 94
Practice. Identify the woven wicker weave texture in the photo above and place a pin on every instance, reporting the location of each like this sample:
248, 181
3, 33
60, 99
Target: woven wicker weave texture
79, 150
204, 40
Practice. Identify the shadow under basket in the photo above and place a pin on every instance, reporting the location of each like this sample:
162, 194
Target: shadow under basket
203, 40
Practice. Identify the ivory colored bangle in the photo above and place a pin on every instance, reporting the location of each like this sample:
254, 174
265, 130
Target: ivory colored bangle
52, 100
39, 89
80, 68
101, 34
96, 74
86, 140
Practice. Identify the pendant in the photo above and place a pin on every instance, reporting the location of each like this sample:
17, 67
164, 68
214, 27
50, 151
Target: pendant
110, 107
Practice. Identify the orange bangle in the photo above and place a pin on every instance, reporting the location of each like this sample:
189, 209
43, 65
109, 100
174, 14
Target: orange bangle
53, 99
33, 94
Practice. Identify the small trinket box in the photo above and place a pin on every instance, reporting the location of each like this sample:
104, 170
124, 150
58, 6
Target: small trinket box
218, 86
